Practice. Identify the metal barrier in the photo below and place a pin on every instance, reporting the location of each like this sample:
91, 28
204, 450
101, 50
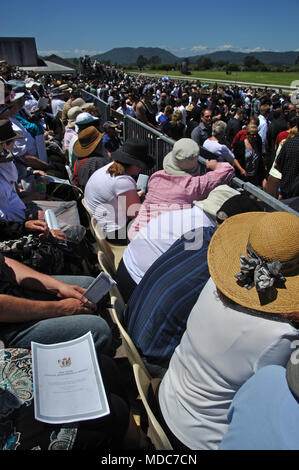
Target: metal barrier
103, 107
159, 146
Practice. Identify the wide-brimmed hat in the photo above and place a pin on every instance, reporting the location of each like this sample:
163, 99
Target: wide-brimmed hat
72, 113
134, 152
31, 83
85, 118
78, 102
15, 96
183, 158
85, 105
253, 259
65, 87
88, 140
7, 133
216, 198
109, 125
237, 204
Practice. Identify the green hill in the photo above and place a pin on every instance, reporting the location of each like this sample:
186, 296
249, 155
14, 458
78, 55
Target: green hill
267, 57
129, 55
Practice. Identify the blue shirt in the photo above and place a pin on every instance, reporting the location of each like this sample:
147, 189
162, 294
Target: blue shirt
111, 143
156, 314
34, 128
264, 415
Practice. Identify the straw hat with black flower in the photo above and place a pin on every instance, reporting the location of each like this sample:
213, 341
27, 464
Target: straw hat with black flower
253, 259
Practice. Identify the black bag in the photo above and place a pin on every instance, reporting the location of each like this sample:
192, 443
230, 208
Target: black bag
48, 257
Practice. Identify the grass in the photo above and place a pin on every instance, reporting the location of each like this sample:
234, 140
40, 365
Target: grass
271, 78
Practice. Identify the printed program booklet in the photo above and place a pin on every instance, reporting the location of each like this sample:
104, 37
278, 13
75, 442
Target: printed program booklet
68, 385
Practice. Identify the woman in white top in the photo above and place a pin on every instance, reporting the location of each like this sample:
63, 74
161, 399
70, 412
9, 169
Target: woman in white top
244, 319
111, 192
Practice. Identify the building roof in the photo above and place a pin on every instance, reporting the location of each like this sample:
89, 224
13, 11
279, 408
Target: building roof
59, 60
51, 68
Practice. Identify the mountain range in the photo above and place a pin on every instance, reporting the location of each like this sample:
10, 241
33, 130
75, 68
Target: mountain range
129, 55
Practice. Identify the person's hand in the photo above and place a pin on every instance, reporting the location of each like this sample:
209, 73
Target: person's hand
211, 164
39, 173
36, 226
68, 307
68, 291
243, 172
58, 235
41, 215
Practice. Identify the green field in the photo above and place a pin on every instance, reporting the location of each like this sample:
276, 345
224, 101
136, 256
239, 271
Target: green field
271, 78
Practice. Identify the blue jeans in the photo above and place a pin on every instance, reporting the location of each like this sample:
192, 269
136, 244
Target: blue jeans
60, 329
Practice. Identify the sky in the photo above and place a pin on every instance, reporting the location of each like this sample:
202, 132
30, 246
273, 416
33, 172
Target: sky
71, 29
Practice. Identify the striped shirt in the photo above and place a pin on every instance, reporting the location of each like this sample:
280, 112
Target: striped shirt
156, 315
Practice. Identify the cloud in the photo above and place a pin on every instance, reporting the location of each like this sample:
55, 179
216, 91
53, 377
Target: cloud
225, 47
199, 48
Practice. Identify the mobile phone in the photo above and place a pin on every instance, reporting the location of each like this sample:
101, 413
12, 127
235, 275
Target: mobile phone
99, 287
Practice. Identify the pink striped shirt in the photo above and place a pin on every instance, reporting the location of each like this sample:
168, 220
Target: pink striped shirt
172, 192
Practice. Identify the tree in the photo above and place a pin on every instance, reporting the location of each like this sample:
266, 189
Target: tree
184, 66
232, 67
204, 63
251, 60
221, 63
297, 60
154, 60
141, 62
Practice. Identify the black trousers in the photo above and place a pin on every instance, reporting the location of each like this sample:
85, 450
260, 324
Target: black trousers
125, 283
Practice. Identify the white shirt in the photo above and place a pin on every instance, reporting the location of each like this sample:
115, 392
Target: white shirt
57, 106
184, 113
101, 197
71, 148
262, 130
221, 348
31, 103
220, 150
129, 110
158, 235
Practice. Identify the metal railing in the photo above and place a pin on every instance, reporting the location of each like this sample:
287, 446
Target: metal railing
160, 145
103, 107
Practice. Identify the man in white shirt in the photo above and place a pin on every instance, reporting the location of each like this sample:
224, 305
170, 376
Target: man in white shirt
263, 125
126, 109
59, 99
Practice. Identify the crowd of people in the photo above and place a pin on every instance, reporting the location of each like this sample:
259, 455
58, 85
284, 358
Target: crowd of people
209, 275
